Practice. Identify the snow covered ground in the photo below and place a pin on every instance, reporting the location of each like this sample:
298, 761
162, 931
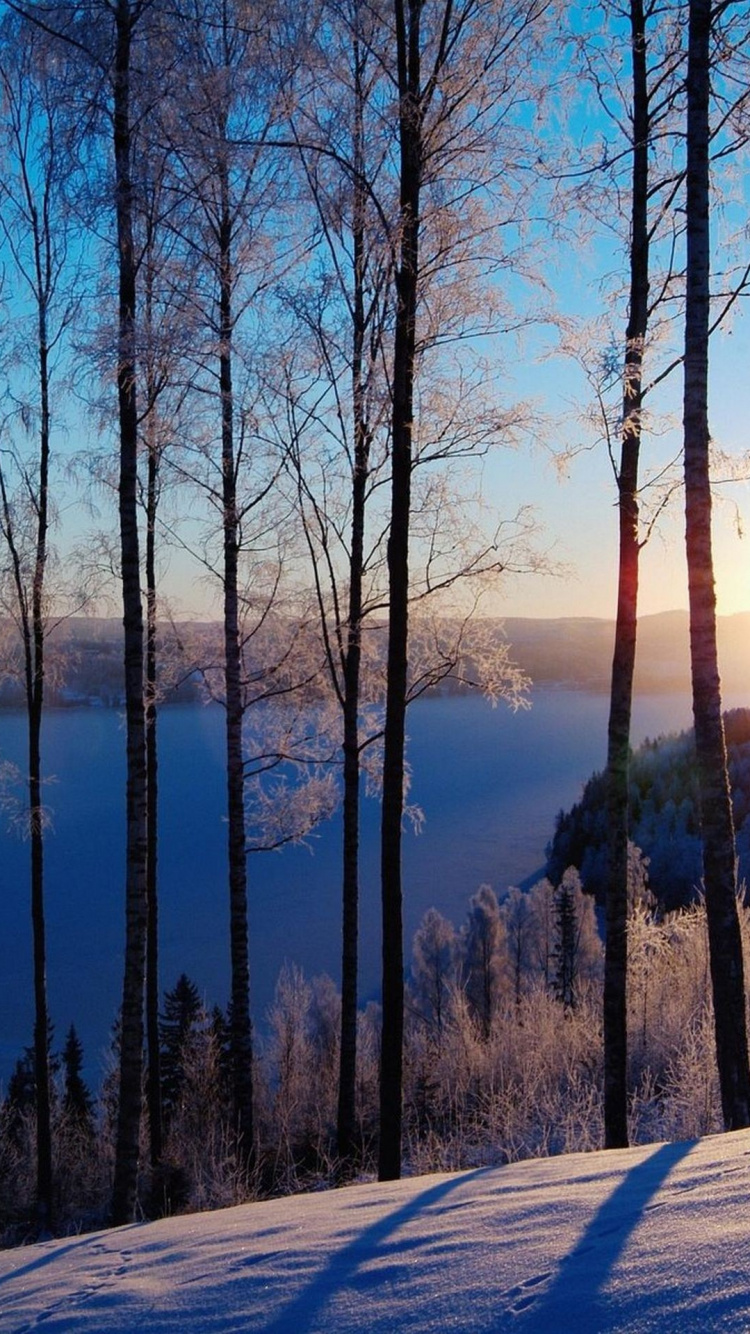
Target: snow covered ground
654, 1238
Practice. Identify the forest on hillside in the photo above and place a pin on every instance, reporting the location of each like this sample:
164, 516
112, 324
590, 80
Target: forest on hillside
272, 279
664, 817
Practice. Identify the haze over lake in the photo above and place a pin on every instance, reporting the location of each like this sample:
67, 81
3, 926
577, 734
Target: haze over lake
490, 783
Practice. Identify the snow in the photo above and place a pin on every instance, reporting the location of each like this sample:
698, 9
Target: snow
652, 1238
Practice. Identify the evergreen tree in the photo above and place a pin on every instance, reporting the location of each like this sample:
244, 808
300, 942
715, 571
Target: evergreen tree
577, 952
21, 1097
566, 952
182, 1008
78, 1103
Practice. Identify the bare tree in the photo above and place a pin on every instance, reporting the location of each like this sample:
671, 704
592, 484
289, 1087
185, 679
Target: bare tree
647, 142
436, 52
335, 407
719, 864
483, 948
434, 966
104, 33
164, 327
34, 231
623, 663
654, 68
225, 191
126, 17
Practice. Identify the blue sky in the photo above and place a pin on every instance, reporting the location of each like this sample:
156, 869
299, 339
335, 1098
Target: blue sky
575, 506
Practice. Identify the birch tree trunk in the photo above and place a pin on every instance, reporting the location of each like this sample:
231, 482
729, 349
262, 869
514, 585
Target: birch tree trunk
33, 636
136, 900
407, 14
214, 178
30, 196
346, 1111
35, 707
240, 1023
153, 1085
719, 864
623, 663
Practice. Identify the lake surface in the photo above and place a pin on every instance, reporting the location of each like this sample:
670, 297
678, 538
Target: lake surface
490, 784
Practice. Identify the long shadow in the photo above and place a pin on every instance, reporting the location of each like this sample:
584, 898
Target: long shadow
343, 1265
575, 1292
40, 1260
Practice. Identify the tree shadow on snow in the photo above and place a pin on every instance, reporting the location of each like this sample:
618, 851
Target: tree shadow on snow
344, 1265
575, 1293
39, 1257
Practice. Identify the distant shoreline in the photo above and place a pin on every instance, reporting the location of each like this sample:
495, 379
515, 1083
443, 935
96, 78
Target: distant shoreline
567, 653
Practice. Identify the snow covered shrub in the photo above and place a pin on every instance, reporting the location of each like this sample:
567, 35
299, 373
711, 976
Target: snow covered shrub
80, 1170
546, 1077
672, 1043
300, 1065
529, 1087
503, 1053
368, 1089
692, 1102
444, 1078
17, 1172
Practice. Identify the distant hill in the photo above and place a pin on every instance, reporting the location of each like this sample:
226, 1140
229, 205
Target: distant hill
577, 651
571, 652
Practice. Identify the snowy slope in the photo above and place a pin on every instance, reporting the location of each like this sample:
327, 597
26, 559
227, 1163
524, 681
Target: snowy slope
654, 1238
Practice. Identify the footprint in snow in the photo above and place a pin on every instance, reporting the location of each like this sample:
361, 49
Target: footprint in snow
524, 1294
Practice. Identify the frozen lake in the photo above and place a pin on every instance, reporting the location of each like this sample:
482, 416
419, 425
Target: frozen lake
490, 783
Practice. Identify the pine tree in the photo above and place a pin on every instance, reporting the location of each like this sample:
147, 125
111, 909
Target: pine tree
22, 1089
21, 1098
182, 1007
566, 949
577, 952
78, 1103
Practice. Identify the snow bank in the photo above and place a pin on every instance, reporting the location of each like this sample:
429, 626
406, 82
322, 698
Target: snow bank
653, 1238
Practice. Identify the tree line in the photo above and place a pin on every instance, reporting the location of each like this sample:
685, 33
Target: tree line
502, 1060
265, 248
